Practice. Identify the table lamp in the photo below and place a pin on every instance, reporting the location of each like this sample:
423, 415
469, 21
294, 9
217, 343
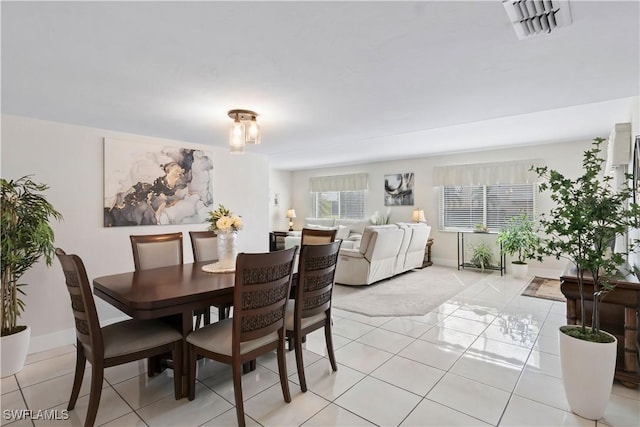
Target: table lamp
418, 216
291, 213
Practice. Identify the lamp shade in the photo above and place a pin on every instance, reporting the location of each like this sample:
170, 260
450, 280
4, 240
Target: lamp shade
236, 137
418, 216
291, 213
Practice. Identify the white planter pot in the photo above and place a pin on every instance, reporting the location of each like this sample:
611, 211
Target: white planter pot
520, 271
587, 372
14, 351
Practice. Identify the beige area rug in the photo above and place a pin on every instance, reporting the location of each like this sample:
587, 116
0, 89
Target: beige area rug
414, 293
542, 287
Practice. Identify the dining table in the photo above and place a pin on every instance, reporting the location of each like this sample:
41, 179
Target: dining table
168, 293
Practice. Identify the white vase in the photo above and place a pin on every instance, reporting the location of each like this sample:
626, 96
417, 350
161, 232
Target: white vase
227, 249
14, 351
587, 373
519, 270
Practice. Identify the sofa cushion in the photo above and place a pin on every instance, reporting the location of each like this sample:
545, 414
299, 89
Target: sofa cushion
324, 222
343, 232
356, 225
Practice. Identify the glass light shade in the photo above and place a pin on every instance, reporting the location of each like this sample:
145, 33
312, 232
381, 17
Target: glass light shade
253, 132
418, 216
236, 137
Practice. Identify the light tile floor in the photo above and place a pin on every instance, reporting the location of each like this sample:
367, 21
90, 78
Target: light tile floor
488, 356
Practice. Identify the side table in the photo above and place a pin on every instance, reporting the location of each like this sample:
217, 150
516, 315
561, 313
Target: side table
427, 253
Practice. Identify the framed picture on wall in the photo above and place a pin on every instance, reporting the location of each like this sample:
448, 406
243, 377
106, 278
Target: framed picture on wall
153, 184
398, 189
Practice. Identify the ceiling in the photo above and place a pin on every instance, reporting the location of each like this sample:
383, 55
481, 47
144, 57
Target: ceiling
334, 82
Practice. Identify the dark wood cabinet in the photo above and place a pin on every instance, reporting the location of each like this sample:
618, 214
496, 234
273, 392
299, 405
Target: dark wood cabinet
276, 240
427, 253
618, 316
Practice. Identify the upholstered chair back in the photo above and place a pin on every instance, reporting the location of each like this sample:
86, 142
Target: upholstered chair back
204, 245
156, 250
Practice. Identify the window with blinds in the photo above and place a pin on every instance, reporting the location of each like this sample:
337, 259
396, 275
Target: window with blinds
462, 207
338, 204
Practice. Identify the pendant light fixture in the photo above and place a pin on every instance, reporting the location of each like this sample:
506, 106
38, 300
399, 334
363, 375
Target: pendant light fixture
245, 129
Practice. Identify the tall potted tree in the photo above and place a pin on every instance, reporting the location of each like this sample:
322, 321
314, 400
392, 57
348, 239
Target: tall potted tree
26, 236
519, 238
587, 217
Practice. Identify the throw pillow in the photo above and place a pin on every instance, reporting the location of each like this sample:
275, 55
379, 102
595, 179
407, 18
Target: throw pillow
343, 232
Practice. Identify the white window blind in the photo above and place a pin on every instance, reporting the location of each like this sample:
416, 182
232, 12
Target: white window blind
339, 196
462, 207
338, 204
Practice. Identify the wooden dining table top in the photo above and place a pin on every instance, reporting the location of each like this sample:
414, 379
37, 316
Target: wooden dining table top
164, 291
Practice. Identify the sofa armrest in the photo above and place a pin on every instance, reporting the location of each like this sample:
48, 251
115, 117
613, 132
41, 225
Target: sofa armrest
350, 253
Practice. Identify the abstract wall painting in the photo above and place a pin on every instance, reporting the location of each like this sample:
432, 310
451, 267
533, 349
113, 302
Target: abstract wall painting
153, 184
398, 189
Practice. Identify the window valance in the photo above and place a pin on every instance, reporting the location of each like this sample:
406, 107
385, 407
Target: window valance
516, 172
350, 182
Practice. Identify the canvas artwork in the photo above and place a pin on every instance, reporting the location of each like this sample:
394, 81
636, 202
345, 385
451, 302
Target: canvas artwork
398, 189
152, 184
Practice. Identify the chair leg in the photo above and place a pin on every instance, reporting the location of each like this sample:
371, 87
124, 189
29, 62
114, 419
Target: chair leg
207, 317
329, 340
282, 368
177, 369
289, 343
198, 319
97, 373
193, 358
300, 363
81, 362
237, 390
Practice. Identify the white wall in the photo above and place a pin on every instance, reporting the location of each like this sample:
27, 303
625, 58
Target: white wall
634, 258
565, 157
70, 160
280, 185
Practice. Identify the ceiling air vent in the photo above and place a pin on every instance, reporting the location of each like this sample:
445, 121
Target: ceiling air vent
535, 17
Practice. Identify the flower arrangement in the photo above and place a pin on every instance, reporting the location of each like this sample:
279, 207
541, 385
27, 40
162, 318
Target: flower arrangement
223, 221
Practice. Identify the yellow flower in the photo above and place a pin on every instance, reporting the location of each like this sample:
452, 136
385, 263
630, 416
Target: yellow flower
224, 224
237, 223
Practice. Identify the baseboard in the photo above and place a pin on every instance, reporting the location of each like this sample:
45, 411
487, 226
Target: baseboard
60, 338
52, 340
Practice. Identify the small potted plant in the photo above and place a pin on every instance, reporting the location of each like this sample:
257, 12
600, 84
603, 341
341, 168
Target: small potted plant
519, 238
587, 217
482, 255
26, 236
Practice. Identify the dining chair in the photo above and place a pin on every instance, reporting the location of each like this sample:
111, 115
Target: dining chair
114, 344
260, 294
161, 250
312, 236
205, 248
311, 307
156, 250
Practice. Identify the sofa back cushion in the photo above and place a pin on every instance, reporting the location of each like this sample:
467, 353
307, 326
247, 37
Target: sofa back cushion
318, 222
419, 237
370, 237
355, 225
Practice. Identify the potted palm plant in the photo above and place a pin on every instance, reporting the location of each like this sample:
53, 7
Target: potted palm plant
589, 214
26, 236
519, 238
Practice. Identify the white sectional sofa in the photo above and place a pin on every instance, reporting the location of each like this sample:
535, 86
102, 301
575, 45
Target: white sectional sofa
384, 251
348, 230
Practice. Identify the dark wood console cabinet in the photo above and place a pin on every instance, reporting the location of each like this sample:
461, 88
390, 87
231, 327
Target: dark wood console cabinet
618, 316
276, 240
